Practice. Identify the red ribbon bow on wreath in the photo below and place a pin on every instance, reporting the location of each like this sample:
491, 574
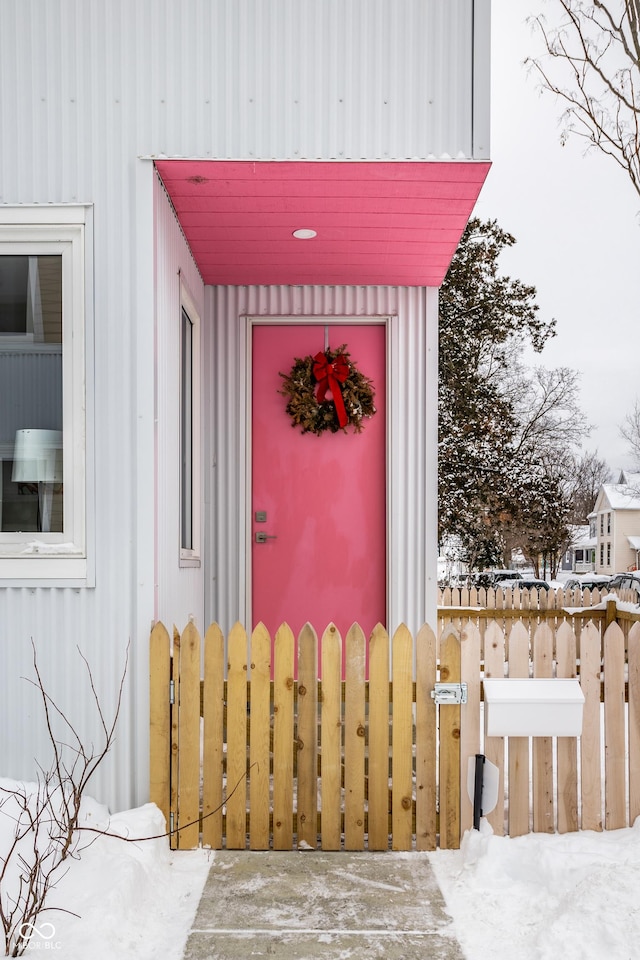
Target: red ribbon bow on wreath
329, 377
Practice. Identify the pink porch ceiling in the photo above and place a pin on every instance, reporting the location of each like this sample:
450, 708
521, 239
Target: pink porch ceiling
377, 223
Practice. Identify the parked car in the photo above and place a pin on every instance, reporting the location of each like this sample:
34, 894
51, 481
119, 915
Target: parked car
626, 581
522, 584
594, 581
501, 575
490, 578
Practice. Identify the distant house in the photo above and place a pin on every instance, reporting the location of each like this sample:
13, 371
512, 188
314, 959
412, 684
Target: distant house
579, 556
616, 519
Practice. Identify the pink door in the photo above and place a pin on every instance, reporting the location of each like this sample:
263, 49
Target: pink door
319, 502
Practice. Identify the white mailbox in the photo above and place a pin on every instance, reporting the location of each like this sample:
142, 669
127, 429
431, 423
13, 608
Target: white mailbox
536, 707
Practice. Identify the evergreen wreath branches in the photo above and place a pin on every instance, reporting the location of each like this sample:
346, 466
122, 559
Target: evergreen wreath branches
314, 415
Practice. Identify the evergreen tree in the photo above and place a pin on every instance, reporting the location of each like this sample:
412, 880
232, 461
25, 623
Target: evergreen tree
505, 433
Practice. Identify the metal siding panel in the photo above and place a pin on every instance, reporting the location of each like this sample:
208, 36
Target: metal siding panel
481, 79
288, 79
57, 620
412, 411
179, 589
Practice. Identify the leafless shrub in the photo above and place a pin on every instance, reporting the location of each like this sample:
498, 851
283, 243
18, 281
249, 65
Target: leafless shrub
46, 816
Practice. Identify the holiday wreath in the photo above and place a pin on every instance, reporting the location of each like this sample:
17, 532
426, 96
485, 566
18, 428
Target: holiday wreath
327, 392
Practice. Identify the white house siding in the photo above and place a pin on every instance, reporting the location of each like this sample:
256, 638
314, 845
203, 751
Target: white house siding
179, 593
234, 79
412, 395
87, 89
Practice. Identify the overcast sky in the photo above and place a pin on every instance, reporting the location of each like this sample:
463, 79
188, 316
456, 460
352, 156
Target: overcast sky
576, 220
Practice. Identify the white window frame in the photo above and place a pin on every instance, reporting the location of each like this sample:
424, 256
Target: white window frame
190, 556
51, 230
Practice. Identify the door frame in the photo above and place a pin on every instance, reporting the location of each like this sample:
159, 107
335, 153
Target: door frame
390, 324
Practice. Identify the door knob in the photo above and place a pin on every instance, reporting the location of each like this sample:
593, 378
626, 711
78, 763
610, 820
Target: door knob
263, 537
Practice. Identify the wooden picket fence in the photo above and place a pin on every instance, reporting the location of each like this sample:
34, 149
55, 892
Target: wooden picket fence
529, 599
265, 752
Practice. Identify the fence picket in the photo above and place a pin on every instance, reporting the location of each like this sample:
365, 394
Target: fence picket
379, 719
159, 719
470, 715
634, 722
426, 739
590, 755
259, 746
283, 738
402, 740
518, 747
354, 739
307, 737
175, 738
614, 752
543, 813
213, 737
449, 747
189, 740
494, 656
567, 749
236, 804
331, 738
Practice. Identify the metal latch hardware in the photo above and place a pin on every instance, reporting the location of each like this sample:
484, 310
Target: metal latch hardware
450, 693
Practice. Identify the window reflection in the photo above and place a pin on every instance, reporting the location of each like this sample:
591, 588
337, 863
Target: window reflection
31, 488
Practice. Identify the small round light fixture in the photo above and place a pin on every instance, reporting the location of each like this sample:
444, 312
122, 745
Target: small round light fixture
305, 234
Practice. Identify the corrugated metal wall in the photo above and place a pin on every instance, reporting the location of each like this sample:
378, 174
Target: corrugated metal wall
178, 589
179, 593
87, 89
235, 79
412, 393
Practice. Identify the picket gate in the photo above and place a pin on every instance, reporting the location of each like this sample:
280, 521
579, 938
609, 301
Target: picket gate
290, 754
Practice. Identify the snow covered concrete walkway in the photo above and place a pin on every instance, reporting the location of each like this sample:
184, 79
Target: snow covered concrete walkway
310, 904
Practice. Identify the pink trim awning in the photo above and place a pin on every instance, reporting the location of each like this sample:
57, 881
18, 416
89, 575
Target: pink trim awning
380, 223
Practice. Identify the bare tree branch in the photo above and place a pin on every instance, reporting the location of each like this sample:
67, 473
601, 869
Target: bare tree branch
630, 431
46, 817
592, 65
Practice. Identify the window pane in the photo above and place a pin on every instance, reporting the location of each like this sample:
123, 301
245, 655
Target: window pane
31, 394
186, 432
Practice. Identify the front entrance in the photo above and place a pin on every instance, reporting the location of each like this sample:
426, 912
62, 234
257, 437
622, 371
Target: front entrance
318, 502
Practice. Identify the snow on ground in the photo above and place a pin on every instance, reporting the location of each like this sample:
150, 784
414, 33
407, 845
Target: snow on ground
134, 900
541, 896
529, 898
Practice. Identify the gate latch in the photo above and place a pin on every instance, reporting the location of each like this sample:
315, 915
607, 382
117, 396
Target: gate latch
450, 693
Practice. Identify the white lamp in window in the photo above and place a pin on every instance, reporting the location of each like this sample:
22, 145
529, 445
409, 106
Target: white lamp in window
37, 458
